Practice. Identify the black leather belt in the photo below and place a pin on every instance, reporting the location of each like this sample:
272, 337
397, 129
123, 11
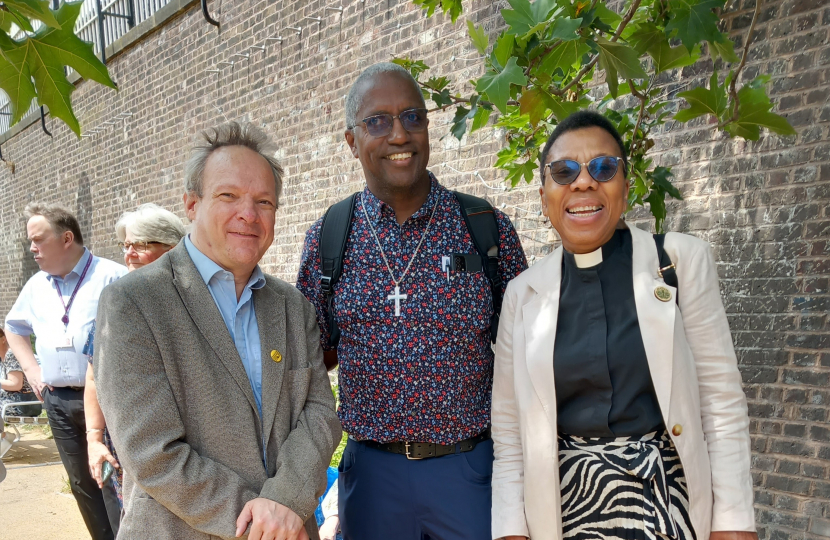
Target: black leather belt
423, 450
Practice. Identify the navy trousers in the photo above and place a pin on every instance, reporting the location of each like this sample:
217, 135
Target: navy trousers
385, 496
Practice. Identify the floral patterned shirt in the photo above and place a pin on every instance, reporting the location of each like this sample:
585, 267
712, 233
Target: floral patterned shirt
427, 375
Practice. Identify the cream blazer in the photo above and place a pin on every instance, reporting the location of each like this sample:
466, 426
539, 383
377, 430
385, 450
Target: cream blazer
695, 373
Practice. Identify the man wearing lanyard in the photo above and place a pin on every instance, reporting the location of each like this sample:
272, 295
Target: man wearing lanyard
58, 305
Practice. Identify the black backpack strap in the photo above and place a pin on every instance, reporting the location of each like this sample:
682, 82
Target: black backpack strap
334, 232
480, 219
667, 270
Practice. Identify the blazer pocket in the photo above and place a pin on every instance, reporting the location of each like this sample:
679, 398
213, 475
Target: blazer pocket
299, 381
148, 518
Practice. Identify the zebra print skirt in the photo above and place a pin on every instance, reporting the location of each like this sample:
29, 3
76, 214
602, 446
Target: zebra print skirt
630, 488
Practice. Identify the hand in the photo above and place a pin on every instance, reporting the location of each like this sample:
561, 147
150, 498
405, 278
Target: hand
733, 535
329, 528
37, 385
270, 521
98, 453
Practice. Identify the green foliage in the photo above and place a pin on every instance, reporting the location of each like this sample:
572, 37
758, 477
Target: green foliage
33, 67
451, 6
540, 69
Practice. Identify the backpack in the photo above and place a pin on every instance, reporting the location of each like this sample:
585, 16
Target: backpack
479, 217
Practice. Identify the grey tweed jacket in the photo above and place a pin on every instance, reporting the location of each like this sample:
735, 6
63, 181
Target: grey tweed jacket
182, 414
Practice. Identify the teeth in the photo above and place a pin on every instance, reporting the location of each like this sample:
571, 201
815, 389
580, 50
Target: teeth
580, 209
396, 157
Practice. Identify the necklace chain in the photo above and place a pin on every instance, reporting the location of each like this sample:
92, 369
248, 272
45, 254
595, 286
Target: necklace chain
380, 247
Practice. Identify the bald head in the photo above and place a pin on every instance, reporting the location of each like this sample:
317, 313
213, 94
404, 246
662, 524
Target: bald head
354, 100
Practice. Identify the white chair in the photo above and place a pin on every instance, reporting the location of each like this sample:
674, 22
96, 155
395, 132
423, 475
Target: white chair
13, 421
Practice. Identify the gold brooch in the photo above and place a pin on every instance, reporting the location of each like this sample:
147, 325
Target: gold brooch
662, 294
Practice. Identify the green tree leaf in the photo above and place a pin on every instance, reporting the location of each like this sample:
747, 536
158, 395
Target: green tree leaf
415, 67
754, 116
478, 36
618, 60
667, 57
644, 36
496, 86
452, 6
35, 9
565, 28
15, 78
482, 115
525, 16
723, 48
694, 21
46, 53
702, 101
459, 122
624, 59
504, 48
564, 56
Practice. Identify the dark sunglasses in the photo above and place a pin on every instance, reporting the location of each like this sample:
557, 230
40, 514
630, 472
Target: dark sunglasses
412, 120
601, 169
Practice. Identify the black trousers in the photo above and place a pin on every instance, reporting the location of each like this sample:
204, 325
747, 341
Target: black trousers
99, 508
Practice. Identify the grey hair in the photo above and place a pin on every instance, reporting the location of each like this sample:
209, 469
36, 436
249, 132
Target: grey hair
230, 134
151, 223
355, 97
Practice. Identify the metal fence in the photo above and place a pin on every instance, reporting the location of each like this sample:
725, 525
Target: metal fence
101, 22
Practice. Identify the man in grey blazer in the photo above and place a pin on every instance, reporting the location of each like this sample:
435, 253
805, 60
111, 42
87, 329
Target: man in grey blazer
210, 373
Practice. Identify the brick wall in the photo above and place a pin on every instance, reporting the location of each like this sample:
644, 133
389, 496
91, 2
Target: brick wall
763, 205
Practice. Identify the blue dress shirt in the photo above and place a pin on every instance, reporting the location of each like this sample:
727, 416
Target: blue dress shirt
38, 310
239, 316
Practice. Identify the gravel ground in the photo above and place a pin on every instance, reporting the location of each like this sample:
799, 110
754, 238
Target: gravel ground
32, 506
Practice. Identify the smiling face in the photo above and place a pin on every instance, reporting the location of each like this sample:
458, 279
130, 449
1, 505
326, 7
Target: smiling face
585, 212
398, 161
233, 221
136, 259
51, 250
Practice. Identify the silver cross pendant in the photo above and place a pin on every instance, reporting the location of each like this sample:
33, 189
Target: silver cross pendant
397, 297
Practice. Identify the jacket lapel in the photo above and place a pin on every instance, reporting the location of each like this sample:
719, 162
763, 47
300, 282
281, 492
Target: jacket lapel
207, 318
270, 315
656, 317
540, 316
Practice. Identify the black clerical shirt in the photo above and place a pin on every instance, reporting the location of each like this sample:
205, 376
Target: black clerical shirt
603, 383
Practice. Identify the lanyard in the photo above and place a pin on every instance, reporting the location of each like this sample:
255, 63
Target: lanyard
67, 307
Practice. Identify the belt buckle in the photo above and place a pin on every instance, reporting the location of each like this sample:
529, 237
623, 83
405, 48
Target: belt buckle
408, 454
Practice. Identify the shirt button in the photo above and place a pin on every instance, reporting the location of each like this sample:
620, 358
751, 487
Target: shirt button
677, 430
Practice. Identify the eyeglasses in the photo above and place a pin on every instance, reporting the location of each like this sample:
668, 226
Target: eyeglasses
139, 247
412, 120
601, 169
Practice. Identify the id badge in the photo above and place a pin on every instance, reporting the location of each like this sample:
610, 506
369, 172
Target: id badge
65, 342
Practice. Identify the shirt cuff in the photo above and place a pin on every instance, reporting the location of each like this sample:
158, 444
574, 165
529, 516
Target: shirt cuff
18, 329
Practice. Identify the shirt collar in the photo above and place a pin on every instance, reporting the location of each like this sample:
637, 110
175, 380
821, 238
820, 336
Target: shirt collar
377, 209
596, 257
207, 268
77, 269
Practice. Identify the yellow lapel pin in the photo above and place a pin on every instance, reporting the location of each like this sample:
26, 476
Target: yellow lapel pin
276, 356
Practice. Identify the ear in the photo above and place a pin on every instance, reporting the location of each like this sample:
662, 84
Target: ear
190, 200
544, 202
349, 135
68, 238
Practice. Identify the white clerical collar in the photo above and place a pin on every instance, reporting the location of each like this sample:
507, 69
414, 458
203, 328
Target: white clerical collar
587, 260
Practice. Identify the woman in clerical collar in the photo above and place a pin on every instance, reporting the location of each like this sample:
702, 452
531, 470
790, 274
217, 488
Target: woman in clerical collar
618, 410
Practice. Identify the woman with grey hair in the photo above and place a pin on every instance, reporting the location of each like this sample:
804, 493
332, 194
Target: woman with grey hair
144, 235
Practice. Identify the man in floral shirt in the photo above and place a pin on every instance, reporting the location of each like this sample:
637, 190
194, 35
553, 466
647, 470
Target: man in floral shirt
414, 352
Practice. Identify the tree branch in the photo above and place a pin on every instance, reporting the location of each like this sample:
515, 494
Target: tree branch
587, 67
641, 116
733, 90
